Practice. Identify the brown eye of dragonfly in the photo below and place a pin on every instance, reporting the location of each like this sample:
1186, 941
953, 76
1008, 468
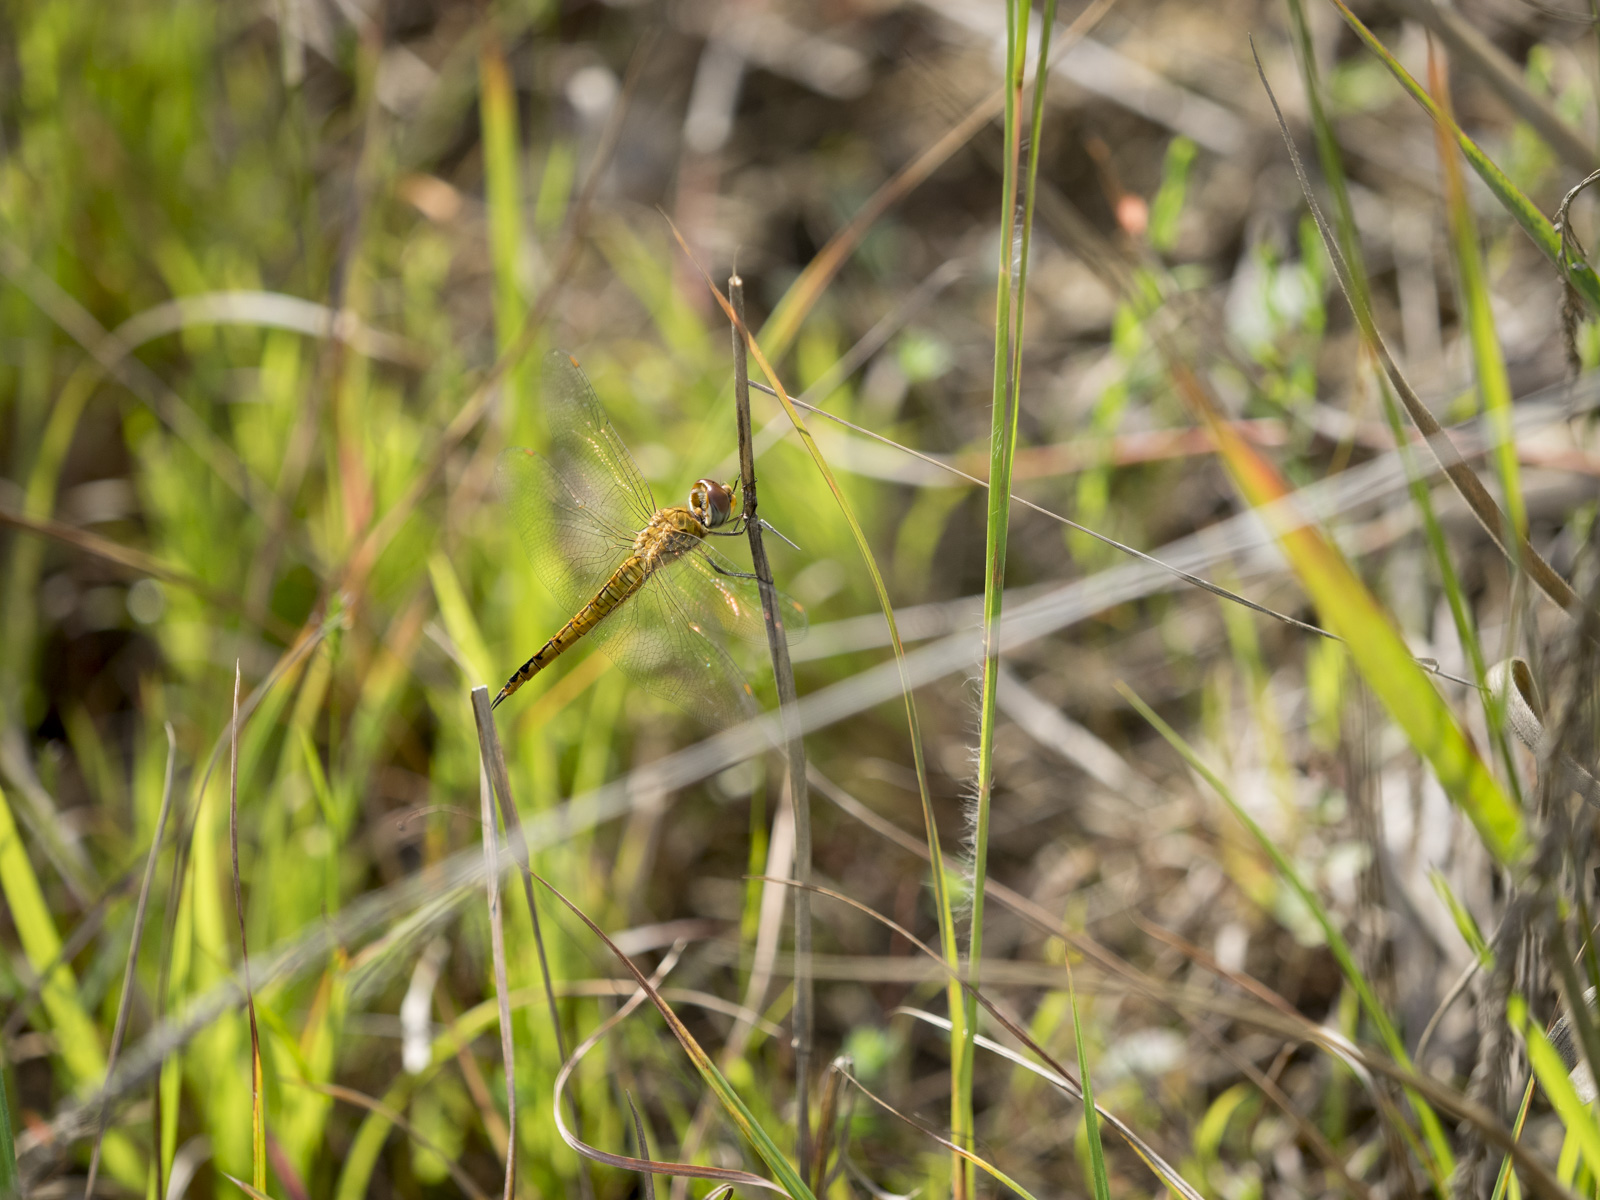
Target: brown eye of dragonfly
711, 502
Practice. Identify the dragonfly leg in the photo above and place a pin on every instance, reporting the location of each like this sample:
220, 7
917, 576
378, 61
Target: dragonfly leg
721, 570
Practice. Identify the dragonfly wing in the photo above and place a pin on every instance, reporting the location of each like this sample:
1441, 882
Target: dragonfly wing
574, 545
713, 591
670, 654
586, 450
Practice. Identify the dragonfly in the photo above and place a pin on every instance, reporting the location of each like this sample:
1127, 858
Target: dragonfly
642, 582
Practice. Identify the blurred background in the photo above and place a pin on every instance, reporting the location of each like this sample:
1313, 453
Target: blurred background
275, 283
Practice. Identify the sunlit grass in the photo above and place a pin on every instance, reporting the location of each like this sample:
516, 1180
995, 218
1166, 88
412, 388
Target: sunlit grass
311, 488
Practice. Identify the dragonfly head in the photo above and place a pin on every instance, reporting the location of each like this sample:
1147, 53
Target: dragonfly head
711, 502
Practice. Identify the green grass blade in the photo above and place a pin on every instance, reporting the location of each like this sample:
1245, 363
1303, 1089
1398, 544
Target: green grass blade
1466, 924
77, 1039
1494, 386
503, 194
8, 1148
1346, 254
459, 621
1552, 1075
1327, 142
1353, 277
1522, 210
1379, 652
1009, 284
1091, 1119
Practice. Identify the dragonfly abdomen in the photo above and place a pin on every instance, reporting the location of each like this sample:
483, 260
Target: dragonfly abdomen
624, 582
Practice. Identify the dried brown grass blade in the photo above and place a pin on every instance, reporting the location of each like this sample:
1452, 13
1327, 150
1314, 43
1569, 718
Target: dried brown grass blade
1466, 481
499, 777
497, 937
644, 989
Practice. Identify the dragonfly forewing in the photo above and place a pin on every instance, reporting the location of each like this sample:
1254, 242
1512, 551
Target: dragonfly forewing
580, 511
586, 451
574, 547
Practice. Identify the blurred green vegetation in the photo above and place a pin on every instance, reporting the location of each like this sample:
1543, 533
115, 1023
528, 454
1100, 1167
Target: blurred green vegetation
274, 284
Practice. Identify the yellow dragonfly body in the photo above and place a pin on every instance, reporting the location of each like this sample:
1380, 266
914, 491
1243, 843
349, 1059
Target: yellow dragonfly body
642, 580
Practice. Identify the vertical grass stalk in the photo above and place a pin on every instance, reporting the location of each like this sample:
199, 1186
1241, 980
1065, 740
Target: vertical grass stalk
8, 1147
500, 779
1010, 285
941, 892
794, 744
497, 937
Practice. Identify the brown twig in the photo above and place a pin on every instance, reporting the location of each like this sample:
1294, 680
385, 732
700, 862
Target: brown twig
794, 743
499, 777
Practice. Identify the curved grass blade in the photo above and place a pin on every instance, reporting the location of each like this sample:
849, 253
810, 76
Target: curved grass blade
1466, 482
643, 1165
788, 1179
1534, 223
966, 1156
1350, 610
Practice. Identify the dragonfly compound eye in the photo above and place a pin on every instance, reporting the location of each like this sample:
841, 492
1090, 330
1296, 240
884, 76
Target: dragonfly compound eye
711, 502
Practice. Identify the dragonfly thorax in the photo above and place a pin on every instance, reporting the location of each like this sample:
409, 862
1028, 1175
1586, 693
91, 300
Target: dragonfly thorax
711, 502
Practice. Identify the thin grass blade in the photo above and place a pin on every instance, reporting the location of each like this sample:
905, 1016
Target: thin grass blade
1526, 214
1350, 610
